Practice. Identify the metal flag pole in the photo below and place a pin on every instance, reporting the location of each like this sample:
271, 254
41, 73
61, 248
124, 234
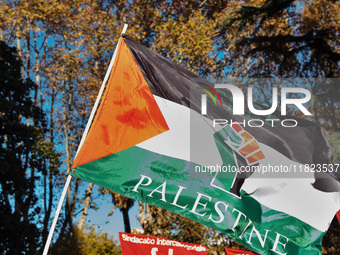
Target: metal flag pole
89, 122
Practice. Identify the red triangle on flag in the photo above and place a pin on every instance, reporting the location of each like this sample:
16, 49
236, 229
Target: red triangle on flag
128, 113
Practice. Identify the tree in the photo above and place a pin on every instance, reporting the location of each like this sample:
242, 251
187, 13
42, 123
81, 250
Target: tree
124, 204
282, 38
94, 244
22, 152
86, 242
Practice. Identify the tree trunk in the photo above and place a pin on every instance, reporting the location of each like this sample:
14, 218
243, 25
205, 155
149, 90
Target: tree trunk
87, 201
18, 43
66, 129
126, 219
48, 184
141, 215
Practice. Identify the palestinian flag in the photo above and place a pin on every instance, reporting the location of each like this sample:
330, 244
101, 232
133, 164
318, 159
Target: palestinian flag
150, 142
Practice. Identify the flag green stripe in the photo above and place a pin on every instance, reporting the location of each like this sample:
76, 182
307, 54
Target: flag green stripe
121, 172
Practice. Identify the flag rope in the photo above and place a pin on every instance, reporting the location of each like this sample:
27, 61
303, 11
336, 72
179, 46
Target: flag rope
87, 128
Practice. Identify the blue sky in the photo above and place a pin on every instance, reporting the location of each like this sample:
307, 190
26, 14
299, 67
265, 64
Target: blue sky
110, 224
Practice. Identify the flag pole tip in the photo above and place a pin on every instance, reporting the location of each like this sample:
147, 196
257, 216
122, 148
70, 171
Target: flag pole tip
124, 29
